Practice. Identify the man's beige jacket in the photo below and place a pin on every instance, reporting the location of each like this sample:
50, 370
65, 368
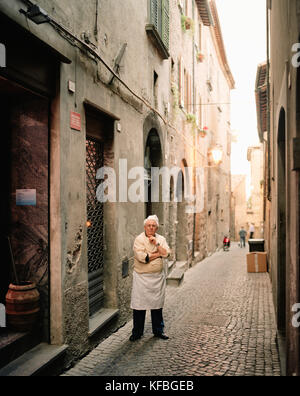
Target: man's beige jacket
142, 247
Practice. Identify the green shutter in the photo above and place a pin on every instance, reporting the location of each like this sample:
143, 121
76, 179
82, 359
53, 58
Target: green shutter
154, 13
166, 23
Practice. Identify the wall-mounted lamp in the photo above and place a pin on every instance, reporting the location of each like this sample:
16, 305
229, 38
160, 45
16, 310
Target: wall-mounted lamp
36, 14
215, 155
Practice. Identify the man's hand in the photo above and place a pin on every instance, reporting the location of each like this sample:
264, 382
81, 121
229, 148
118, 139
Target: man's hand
154, 256
152, 240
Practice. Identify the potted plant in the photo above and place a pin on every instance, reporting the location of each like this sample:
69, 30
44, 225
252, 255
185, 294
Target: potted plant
203, 131
191, 118
23, 297
187, 23
200, 57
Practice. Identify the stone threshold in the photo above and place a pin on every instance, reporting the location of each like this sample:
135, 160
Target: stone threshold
100, 319
34, 361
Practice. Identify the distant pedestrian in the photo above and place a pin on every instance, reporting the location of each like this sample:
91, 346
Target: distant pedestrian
242, 235
149, 279
251, 230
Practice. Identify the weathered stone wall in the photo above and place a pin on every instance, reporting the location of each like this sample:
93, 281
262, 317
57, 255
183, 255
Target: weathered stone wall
284, 205
107, 26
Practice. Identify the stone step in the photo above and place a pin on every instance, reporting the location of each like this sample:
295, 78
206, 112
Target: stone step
197, 258
182, 265
171, 265
175, 278
34, 362
14, 344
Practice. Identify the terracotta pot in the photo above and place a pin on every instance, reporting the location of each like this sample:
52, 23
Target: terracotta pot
22, 306
200, 57
188, 23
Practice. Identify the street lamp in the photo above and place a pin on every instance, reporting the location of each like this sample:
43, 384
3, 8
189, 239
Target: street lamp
36, 14
215, 154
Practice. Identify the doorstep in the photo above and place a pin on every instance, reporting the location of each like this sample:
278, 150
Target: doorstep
34, 361
100, 319
14, 344
176, 277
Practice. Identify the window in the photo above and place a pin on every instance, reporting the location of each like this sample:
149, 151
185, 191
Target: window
158, 28
200, 112
185, 87
187, 92
200, 38
181, 82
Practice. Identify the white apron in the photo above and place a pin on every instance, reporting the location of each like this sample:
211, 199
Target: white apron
148, 291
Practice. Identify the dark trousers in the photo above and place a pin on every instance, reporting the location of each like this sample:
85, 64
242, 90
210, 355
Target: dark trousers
139, 322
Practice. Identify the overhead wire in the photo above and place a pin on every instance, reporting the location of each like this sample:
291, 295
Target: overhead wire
60, 28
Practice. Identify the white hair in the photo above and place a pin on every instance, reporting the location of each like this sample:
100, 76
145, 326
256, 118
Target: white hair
153, 217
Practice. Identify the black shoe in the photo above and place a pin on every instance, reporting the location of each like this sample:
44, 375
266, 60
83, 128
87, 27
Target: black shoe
134, 338
162, 336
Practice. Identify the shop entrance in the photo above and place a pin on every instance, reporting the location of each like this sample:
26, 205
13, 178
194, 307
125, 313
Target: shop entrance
99, 153
24, 198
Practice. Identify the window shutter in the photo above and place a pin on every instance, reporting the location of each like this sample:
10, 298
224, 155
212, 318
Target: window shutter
181, 83
166, 23
191, 96
154, 13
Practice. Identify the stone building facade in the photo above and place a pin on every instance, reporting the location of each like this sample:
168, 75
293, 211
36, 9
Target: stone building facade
239, 205
255, 201
277, 92
114, 85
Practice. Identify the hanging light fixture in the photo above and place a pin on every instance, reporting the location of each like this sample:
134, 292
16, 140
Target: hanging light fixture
36, 14
215, 154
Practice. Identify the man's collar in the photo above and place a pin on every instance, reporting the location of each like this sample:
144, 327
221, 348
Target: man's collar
148, 237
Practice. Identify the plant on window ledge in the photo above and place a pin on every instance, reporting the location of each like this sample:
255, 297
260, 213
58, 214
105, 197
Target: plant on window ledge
191, 118
200, 57
203, 131
175, 93
187, 23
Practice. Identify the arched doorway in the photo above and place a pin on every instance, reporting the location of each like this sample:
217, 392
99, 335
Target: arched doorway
281, 229
172, 220
181, 248
182, 191
152, 159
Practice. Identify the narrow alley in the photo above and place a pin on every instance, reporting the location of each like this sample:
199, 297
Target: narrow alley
138, 133
220, 322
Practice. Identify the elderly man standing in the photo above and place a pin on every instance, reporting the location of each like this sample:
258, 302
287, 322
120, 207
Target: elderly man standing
149, 279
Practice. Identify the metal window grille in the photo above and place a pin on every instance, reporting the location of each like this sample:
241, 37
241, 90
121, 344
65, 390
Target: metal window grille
95, 237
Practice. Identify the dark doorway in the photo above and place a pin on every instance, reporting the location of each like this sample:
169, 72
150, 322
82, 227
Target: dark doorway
181, 235
25, 198
281, 271
153, 158
99, 153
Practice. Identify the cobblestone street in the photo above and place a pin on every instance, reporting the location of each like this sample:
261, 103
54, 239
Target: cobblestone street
220, 322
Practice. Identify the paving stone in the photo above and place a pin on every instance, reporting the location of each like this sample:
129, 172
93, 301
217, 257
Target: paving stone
220, 322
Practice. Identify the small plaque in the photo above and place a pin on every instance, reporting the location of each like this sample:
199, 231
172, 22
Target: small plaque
26, 197
75, 121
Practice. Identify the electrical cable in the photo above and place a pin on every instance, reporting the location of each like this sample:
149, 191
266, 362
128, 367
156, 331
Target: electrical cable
58, 27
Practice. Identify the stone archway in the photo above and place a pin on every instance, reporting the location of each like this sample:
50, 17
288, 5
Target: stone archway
182, 187
153, 159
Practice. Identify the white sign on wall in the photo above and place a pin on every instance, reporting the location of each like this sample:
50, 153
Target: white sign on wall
2, 55
26, 197
2, 316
